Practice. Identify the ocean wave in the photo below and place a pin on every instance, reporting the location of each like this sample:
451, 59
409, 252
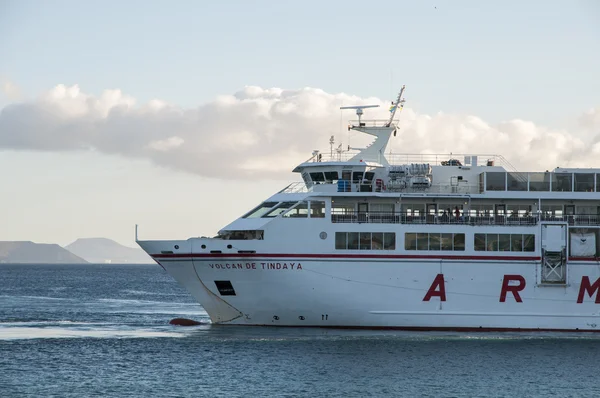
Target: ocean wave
33, 323
146, 302
29, 333
34, 297
146, 293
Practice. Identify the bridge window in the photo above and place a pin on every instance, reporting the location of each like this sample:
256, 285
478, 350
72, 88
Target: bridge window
562, 182
331, 176
584, 182
504, 242
279, 209
517, 181
539, 182
495, 181
365, 240
260, 210
434, 241
317, 177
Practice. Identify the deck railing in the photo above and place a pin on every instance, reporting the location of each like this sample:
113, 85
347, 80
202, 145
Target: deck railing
434, 159
448, 189
405, 218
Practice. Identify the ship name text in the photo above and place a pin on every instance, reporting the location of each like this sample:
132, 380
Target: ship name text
266, 266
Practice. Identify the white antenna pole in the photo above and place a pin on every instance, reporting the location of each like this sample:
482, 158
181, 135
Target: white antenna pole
331, 142
398, 104
136, 232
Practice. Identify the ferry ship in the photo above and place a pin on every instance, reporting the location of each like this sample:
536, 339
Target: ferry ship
416, 242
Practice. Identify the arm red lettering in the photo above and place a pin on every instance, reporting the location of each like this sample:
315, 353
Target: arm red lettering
437, 289
589, 289
514, 289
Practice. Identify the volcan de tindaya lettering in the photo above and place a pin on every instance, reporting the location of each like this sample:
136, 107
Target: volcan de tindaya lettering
424, 242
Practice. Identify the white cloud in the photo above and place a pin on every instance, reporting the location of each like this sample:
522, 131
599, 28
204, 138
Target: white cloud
259, 132
166, 145
591, 119
10, 90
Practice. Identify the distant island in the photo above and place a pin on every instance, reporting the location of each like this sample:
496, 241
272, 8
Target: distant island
26, 252
102, 250
82, 251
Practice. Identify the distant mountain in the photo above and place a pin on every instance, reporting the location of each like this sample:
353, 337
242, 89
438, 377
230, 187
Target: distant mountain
26, 252
102, 250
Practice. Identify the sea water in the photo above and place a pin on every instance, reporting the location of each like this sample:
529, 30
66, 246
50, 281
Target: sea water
102, 331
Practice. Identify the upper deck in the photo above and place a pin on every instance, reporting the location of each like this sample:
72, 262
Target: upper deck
371, 169
450, 174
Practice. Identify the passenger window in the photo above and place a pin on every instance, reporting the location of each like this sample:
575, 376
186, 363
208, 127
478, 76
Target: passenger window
516, 244
492, 243
365, 240
353, 240
389, 241
422, 241
529, 243
340, 240
377, 240
504, 242
410, 241
317, 209
479, 242
299, 211
459, 242
434, 241
447, 241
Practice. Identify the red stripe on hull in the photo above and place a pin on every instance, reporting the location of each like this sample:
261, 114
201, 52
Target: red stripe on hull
343, 256
421, 328
596, 259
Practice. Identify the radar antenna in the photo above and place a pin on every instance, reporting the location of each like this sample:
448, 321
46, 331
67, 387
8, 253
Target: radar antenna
398, 104
359, 110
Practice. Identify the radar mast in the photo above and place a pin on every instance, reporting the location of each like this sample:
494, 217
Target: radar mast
359, 111
398, 104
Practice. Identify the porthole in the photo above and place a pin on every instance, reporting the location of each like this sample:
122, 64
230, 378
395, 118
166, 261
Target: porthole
203, 246
323, 235
176, 246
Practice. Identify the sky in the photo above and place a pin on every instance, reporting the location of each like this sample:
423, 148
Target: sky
181, 116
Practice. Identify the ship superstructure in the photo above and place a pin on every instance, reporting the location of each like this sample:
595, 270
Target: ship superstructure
426, 241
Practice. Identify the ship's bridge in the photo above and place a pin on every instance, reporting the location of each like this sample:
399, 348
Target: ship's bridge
408, 173
438, 173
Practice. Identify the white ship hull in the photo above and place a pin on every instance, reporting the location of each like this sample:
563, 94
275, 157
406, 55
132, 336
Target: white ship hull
404, 241
388, 292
